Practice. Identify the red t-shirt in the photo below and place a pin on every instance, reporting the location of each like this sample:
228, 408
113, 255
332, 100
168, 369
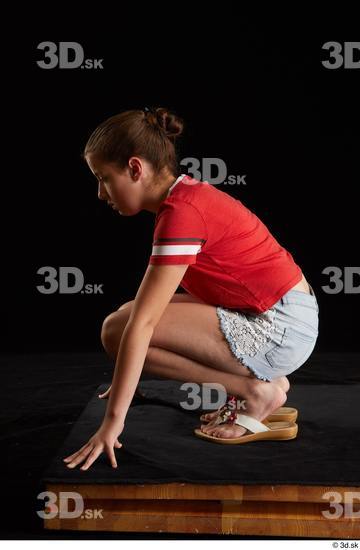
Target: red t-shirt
234, 261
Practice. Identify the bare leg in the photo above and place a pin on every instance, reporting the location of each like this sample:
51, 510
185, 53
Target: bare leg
169, 365
187, 345
260, 398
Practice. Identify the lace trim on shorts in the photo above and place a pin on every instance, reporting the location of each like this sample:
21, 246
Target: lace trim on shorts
246, 333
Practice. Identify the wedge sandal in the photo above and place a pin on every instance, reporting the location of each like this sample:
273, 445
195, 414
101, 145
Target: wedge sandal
286, 414
256, 430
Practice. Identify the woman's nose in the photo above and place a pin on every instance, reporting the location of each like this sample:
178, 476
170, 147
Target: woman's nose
102, 192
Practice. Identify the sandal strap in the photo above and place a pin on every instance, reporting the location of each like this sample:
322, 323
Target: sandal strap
225, 416
229, 405
251, 423
247, 422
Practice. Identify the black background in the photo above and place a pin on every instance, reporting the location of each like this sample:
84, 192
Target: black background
252, 91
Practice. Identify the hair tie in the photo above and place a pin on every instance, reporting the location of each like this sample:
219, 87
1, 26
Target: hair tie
151, 110
157, 125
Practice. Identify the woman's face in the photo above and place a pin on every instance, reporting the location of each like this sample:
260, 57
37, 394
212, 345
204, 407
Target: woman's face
115, 186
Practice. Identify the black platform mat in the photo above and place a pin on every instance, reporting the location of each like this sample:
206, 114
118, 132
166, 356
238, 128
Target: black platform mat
159, 445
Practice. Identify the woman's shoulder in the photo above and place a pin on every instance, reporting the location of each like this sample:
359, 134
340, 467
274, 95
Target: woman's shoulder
205, 196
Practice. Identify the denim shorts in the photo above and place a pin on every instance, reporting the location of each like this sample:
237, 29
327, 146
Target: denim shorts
277, 341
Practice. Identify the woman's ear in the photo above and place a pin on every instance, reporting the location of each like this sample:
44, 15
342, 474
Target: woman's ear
135, 167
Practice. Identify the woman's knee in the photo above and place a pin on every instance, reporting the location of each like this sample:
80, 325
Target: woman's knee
112, 328
126, 305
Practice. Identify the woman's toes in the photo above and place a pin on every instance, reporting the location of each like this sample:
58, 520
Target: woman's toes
226, 431
208, 416
208, 428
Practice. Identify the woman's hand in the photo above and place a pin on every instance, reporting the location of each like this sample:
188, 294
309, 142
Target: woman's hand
106, 394
105, 439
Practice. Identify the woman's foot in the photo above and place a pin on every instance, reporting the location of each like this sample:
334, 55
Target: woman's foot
262, 399
282, 381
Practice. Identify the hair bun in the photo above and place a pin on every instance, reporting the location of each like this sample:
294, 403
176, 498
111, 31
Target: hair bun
170, 123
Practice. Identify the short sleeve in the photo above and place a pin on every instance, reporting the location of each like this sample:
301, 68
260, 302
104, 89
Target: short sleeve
179, 234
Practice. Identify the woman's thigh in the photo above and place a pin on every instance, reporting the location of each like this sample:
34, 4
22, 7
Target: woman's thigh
177, 297
189, 328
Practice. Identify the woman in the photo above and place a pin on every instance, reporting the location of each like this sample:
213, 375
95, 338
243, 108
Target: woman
248, 317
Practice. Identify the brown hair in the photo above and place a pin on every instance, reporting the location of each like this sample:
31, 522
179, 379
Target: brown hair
150, 134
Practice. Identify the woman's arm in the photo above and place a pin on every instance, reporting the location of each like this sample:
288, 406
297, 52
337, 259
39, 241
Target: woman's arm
155, 292
130, 360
